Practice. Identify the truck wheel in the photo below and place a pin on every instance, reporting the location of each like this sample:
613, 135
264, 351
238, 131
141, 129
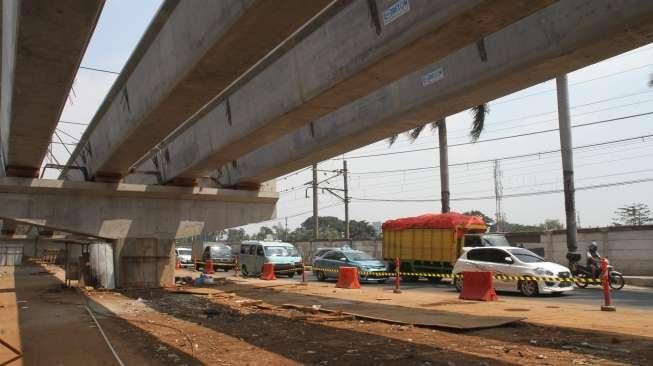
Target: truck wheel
458, 284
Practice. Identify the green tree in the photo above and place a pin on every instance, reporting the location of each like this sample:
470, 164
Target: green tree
361, 230
263, 233
280, 232
235, 236
478, 123
333, 228
488, 220
551, 224
635, 214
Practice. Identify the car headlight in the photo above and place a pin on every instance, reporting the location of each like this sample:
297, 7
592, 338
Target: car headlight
365, 268
543, 272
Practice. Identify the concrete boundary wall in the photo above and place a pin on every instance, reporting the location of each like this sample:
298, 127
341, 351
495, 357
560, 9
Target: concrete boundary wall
629, 249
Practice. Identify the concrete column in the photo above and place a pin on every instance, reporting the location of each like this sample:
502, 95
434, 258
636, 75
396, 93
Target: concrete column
144, 262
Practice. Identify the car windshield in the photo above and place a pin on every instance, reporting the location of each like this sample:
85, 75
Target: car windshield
281, 252
184, 251
359, 256
526, 256
221, 250
495, 241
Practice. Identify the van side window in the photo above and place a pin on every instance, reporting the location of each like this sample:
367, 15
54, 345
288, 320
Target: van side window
252, 250
259, 251
244, 249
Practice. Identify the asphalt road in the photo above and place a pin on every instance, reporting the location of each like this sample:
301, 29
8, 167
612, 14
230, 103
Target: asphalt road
632, 297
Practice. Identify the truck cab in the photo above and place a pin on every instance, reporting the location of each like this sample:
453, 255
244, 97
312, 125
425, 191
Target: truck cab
485, 240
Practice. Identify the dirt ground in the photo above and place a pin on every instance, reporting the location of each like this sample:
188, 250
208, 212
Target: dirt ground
225, 324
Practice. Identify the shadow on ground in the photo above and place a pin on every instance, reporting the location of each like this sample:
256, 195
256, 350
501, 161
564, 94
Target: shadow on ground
56, 329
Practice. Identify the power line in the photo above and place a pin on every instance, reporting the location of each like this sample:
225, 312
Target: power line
590, 187
67, 134
99, 70
508, 157
74, 123
61, 141
430, 186
465, 131
576, 83
497, 138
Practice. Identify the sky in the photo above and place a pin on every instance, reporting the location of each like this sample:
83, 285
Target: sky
616, 88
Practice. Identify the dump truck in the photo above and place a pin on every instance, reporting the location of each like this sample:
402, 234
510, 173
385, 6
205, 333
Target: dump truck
432, 243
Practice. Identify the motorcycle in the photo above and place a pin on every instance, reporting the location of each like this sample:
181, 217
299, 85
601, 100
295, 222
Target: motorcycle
615, 279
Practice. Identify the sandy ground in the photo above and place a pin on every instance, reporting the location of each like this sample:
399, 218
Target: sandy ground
226, 325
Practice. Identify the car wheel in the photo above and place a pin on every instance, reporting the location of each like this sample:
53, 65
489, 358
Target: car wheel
244, 271
320, 276
528, 288
458, 284
291, 274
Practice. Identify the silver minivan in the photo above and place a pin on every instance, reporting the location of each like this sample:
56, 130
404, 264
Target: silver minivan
253, 253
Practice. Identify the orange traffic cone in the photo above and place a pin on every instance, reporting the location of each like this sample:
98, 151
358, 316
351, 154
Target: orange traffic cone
268, 272
348, 278
177, 264
209, 266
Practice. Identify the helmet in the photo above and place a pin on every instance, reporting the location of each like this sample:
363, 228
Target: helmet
593, 247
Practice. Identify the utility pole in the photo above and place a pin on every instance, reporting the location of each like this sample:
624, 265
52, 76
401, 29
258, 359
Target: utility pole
344, 196
498, 195
286, 238
444, 165
346, 193
315, 223
567, 162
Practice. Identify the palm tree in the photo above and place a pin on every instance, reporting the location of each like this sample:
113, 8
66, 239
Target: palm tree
478, 123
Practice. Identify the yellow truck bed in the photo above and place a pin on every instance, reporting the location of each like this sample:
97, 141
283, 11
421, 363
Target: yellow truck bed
434, 245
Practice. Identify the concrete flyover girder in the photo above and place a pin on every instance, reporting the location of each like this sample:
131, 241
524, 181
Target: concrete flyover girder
191, 51
559, 39
363, 47
43, 45
119, 210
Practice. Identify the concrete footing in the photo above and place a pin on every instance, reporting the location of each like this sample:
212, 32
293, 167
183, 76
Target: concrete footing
144, 262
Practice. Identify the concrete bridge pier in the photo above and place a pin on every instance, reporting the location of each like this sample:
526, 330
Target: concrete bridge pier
144, 262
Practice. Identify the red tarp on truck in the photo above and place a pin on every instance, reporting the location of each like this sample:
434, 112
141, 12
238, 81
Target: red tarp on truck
447, 220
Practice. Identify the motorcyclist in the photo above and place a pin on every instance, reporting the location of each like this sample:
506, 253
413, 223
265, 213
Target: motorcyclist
593, 259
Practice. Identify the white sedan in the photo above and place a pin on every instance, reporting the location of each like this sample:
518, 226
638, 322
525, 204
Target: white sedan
512, 261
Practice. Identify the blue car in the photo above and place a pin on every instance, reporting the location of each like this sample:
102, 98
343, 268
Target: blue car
369, 268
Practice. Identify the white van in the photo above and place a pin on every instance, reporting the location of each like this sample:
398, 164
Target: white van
253, 253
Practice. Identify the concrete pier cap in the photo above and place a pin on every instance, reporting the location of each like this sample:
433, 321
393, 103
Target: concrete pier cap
142, 221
